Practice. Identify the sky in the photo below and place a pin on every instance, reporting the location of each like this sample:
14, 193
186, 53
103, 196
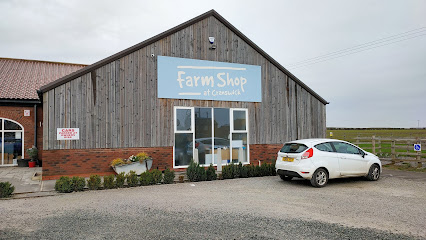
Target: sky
367, 58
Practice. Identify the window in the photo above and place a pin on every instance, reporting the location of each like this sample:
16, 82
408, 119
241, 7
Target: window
11, 141
210, 135
293, 148
345, 148
325, 147
184, 136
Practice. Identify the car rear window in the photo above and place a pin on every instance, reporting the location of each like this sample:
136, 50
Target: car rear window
293, 148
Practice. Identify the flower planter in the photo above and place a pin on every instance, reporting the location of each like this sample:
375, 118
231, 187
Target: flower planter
31, 164
126, 168
23, 162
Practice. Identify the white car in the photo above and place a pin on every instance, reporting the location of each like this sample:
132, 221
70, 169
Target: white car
319, 160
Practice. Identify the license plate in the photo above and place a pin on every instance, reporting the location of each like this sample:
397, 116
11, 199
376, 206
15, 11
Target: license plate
286, 159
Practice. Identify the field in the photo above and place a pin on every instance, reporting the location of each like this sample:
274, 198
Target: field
349, 134
383, 150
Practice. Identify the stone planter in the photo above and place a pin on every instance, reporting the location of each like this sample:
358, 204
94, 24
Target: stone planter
139, 168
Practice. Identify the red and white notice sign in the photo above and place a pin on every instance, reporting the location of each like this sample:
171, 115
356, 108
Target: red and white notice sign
68, 134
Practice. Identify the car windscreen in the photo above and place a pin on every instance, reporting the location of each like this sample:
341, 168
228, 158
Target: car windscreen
293, 148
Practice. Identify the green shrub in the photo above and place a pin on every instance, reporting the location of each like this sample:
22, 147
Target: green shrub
192, 171
220, 176
257, 171
202, 175
235, 170
109, 182
157, 176
228, 171
244, 171
63, 185
251, 170
6, 189
132, 179
211, 173
119, 182
169, 176
94, 182
146, 178
264, 169
78, 184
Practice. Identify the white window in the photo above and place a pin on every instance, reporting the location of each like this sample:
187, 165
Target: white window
209, 135
11, 141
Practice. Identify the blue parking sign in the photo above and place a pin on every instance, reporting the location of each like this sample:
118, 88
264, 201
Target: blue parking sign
417, 147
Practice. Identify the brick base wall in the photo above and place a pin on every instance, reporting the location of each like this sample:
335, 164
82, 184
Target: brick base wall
264, 153
83, 162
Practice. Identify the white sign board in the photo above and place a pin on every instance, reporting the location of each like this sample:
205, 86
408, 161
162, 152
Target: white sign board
68, 134
26, 113
417, 147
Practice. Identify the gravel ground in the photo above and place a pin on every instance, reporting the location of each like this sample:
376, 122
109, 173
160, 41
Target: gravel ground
255, 208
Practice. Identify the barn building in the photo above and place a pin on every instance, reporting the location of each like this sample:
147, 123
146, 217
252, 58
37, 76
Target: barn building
201, 91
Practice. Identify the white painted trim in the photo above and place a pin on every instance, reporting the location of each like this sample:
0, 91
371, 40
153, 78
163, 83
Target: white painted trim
231, 131
2, 131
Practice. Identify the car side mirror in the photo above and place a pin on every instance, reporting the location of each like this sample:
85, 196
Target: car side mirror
363, 154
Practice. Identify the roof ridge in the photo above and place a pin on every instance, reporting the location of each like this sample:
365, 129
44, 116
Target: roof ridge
45, 61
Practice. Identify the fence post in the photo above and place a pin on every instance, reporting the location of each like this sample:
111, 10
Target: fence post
393, 151
379, 142
373, 142
419, 163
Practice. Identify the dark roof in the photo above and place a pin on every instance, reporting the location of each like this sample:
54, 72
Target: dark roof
20, 78
167, 33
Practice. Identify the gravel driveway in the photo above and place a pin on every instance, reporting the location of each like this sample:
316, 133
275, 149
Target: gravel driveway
254, 208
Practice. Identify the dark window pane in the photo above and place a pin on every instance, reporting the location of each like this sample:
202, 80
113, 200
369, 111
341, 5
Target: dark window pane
326, 147
8, 125
203, 135
345, 148
1, 125
221, 135
239, 147
293, 148
239, 120
183, 119
12, 146
183, 148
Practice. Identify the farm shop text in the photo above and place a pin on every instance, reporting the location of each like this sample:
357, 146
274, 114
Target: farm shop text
223, 80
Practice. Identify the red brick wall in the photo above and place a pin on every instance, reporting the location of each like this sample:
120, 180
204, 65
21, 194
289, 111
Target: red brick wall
83, 162
264, 152
16, 113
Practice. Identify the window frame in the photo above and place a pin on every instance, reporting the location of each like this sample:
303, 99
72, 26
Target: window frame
192, 131
2, 132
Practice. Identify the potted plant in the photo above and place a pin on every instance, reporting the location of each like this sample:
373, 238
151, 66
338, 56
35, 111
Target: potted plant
32, 153
139, 163
144, 158
126, 165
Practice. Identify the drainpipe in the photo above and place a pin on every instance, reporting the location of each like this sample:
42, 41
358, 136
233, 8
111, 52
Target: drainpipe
35, 125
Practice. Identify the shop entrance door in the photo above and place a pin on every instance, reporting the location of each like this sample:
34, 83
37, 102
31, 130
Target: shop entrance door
11, 142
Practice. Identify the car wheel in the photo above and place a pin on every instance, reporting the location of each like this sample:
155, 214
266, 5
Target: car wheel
285, 178
319, 178
374, 173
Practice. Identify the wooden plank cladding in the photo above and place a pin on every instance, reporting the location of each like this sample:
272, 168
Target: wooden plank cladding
116, 104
